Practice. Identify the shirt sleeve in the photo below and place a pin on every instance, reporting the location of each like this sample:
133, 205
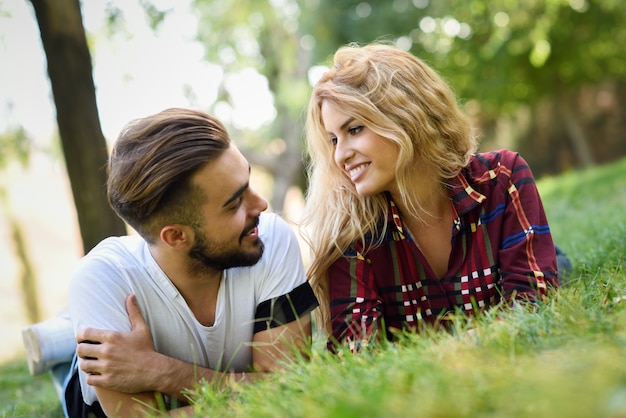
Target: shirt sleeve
284, 293
527, 255
355, 305
97, 295
96, 299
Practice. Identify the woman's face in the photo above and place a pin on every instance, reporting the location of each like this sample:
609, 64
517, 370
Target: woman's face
367, 158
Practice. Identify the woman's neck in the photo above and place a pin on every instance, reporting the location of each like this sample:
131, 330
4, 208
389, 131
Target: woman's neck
427, 201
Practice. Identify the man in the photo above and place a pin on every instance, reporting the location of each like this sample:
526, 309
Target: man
211, 288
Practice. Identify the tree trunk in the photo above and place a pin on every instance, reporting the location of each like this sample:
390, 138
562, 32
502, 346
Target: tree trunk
84, 145
289, 166
574, 130
28, 280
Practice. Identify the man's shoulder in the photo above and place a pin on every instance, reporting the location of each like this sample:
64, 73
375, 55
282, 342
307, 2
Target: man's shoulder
271, 220
119, 244
118, 251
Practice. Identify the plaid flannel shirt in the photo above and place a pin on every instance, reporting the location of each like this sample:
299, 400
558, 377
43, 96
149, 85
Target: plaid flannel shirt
501, 248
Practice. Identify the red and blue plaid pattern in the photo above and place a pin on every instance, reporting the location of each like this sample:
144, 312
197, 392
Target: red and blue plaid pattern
501, 248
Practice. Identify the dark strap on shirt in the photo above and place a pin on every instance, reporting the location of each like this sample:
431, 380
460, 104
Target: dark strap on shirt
286, 308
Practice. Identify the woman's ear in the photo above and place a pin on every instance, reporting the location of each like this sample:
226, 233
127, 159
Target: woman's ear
176, 236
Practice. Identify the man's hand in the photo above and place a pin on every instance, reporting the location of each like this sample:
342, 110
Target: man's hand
120, 361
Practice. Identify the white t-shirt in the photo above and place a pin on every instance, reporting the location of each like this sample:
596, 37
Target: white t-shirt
119, 266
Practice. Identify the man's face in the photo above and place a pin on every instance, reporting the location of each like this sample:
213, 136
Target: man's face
229, 235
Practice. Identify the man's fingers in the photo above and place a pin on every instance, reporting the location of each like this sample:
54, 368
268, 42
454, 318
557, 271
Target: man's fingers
89, 366
91, 335
88, 350
134, 314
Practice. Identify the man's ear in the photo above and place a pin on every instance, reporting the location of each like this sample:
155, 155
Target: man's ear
176, 236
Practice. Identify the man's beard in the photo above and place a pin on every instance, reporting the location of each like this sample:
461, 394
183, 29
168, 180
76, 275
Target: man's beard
205, 254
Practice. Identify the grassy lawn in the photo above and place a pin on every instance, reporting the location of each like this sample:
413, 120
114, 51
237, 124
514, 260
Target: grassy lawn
564, 360
22, 395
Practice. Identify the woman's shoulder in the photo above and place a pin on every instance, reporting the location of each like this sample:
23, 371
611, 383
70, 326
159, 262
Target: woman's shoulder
502, 163
491, 160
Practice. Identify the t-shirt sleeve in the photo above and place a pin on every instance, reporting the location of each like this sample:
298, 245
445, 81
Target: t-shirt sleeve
284, 294
96, 299
97, 296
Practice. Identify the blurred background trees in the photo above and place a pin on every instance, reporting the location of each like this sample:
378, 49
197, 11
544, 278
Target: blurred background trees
544, 77
15, 148
84, 146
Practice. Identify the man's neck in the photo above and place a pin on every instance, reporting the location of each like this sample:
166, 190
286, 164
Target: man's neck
201, 293
199, 288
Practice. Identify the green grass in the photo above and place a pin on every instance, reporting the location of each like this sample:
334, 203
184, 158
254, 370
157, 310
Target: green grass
22, 395
587, 214
564, 360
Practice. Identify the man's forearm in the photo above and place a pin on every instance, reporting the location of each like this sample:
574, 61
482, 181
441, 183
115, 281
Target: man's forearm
172, 377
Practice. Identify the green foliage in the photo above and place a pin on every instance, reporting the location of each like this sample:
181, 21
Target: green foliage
22, 395
264, 36
14, 145
560, 360
501, 53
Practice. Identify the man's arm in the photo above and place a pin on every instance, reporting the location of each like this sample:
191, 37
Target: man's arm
101, 358
127, 363
121, 405
283, 343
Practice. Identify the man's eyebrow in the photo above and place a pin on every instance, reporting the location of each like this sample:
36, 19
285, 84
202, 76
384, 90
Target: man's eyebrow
237, 193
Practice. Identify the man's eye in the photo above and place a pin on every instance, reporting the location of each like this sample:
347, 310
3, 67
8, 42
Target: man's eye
237, 203
355, 130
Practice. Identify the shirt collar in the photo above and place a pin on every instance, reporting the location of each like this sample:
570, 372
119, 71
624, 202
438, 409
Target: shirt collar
464, 197
394, 215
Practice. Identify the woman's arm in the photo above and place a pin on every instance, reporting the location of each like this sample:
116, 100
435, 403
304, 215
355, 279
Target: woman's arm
527, 255
356, 306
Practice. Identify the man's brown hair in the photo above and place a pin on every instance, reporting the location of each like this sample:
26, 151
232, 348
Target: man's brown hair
151, 165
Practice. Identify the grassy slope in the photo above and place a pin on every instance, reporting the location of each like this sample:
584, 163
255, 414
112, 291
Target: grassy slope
565, 360
22, 395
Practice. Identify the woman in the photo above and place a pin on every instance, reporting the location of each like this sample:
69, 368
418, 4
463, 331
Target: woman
406, 223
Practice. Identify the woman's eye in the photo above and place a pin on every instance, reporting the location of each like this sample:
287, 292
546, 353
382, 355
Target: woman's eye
333, 140
355, 130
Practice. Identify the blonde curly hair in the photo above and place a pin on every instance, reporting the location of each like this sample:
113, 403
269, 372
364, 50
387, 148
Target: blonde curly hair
400, 98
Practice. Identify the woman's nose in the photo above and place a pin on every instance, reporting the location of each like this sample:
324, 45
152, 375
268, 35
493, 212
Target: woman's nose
343, 152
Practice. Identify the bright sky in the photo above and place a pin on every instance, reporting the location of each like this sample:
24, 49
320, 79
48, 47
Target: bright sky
137, 72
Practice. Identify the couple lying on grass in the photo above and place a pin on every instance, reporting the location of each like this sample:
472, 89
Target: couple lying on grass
407, 225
